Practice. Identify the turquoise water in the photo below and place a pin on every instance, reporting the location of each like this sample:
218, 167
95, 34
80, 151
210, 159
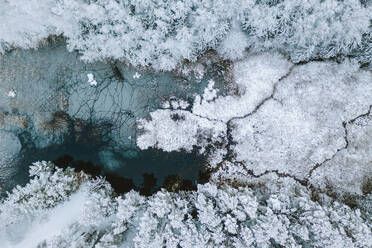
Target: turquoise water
69, 119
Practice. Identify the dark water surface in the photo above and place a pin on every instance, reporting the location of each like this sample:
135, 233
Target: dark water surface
146, 171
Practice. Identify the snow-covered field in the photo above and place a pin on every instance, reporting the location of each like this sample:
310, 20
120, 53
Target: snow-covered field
288, 119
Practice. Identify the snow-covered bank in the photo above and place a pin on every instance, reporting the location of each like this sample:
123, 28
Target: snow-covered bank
282, 214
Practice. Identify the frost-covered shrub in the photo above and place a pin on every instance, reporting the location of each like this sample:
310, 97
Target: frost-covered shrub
49, 187
146, 33
311, 29
38, 193
234, 45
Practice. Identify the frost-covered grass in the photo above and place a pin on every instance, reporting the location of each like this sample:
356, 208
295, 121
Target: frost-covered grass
65, 209
350, 170
162, 34
302, 125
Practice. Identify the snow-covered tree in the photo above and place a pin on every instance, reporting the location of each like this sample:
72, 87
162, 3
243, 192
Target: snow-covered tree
67, 209
163, 34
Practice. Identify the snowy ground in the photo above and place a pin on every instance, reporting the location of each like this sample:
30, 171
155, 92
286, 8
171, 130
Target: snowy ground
294, 120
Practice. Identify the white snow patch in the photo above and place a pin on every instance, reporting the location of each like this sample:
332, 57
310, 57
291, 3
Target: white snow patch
172, 130
255, 77
12, 94
91, 80
136, 75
